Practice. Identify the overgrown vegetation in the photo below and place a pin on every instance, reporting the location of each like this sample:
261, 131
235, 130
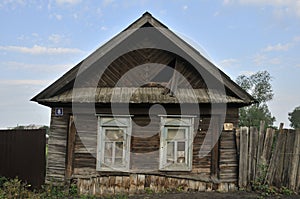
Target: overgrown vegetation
261, 186
15, 189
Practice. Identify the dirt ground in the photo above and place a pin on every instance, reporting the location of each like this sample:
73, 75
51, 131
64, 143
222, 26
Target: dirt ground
196, 195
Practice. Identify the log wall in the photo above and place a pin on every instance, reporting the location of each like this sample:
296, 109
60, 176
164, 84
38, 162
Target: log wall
57, 143
144, 159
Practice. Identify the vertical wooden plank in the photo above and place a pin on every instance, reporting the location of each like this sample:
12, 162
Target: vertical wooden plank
215, 149
266, 153
133, 184
126, 183
275, 166
232, 187
294, 174
288, 154
281, 155
253, 139
243, 160
223, 187
140, 183
202, 186
70, 148
111, 184
260, 145
118, 184
104, 181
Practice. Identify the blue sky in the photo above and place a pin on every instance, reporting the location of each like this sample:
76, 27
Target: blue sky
41, 40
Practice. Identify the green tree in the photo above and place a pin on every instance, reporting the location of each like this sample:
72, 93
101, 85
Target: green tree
259, 86
294, 118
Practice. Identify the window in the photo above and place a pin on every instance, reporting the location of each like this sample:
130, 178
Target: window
176, 143
113, 143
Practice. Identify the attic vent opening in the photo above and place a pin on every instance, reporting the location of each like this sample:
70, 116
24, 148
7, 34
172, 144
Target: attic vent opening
147, 25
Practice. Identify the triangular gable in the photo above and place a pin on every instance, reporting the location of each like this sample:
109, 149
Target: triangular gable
146, 20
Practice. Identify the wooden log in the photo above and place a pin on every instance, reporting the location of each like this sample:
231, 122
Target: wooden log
294, 174
243, 160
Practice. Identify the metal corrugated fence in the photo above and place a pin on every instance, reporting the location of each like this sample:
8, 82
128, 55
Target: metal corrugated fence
22, 154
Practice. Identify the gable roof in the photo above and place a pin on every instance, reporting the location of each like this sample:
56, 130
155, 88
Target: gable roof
64, 83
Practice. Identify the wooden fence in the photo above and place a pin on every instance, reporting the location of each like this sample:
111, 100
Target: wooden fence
22, 155
270, 157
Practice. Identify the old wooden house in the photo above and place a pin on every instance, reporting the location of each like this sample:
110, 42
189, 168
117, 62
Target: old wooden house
144, 111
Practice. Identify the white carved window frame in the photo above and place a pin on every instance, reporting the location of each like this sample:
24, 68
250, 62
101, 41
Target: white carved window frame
121, 125
182, 156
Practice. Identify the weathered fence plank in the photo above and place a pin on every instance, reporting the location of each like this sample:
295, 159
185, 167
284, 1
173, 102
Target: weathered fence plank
294, 174
267, 148
297, 188
253, 140
278, 154
288, 154
243, 160
260, 144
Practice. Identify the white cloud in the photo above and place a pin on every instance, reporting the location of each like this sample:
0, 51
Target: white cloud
281, 7
226, 2
185, 7
107, 2
259, 59
16, 82
56, 38
263, 60
70, 2
103, 28
228, 62
38, 50
58, 16
217, 13
278, 47
36, 67
247, 73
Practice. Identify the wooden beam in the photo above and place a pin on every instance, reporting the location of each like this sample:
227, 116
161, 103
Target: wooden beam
70, 148
216, 131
